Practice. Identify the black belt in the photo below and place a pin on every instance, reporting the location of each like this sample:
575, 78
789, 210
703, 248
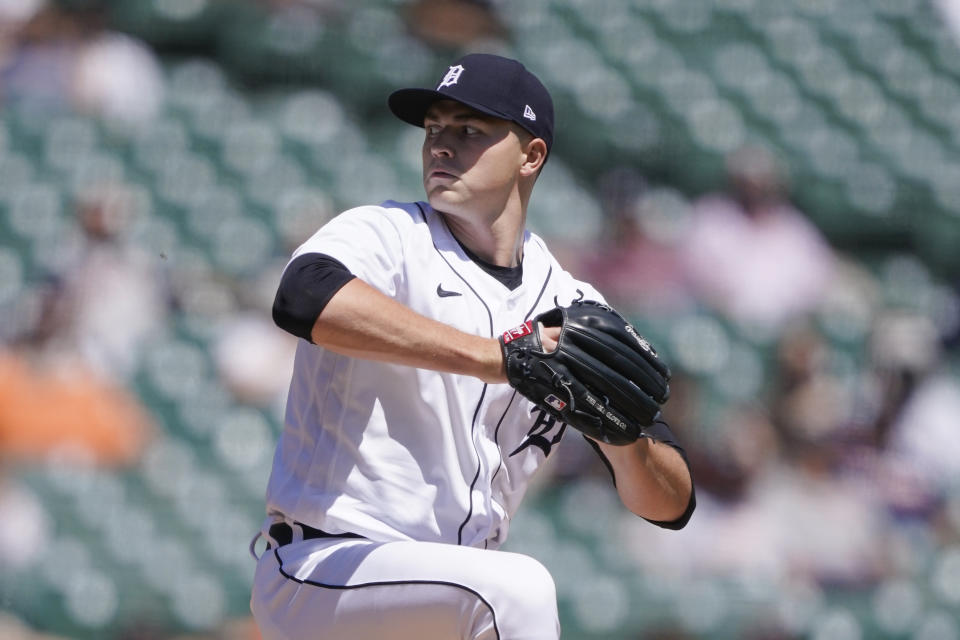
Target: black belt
283, 533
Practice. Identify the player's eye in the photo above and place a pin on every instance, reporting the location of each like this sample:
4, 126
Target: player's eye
471, 131
432, 129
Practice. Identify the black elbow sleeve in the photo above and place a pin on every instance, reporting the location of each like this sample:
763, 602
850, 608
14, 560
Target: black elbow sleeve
307, 285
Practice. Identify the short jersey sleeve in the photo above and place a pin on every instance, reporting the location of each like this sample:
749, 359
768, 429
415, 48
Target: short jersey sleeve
584, 289
576, 288
367, 240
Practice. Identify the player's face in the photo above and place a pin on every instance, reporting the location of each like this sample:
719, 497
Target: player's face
470, 160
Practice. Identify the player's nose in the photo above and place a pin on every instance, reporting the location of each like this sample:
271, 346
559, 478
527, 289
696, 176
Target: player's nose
440, 145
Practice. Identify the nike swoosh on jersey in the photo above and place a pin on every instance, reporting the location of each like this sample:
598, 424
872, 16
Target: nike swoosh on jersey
443, 293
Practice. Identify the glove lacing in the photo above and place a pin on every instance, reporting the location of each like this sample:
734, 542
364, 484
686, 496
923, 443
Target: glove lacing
561, 383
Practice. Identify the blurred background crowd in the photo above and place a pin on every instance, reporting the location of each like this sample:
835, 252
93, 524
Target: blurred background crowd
769, 190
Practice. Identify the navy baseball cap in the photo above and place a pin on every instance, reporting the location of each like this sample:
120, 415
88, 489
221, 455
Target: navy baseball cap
491, 84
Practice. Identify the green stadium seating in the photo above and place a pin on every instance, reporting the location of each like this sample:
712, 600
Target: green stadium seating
259, 145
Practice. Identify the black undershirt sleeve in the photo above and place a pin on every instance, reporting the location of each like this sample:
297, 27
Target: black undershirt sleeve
660, 432
306, 287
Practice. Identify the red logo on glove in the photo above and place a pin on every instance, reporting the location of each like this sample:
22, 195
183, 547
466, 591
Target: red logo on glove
524, 329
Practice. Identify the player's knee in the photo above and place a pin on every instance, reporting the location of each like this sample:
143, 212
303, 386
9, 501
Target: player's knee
532, 593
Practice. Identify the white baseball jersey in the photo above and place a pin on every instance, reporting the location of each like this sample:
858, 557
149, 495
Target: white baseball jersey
393, 452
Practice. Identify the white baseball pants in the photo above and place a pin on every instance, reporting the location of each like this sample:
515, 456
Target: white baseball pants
357, 589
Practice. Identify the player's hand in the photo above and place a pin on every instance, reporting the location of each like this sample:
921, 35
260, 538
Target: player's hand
549, 337
589, 367
549, 340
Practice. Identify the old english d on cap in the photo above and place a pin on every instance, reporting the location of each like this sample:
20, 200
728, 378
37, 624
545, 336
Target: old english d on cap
491, 84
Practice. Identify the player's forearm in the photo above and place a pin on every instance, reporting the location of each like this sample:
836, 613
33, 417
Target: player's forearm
652, 479
362, 322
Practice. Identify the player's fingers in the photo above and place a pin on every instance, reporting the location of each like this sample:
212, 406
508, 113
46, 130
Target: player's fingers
549, 337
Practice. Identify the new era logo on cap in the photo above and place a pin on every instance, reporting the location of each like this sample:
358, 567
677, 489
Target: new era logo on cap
491, 84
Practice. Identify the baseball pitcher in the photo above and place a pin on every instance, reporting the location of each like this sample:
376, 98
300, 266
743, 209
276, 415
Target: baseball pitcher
444, 353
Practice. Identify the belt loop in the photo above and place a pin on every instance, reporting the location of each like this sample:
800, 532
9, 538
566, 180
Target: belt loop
267, 533
253, 545
297, 531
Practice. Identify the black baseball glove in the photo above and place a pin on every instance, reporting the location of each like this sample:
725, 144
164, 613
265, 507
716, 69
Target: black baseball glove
603, 379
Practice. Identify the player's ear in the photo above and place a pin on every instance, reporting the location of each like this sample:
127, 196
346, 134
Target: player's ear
535, 154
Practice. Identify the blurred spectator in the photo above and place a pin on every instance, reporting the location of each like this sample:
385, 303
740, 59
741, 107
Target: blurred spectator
638, 272
57, 411
111, 295
743, 446
119, 79
253, 357
66, 60
13, 15
810, 405
769, 518
24, 527
49, 408
950, 12
918, 404
750, 254
39, 57
16, 12
461, 25
776, 503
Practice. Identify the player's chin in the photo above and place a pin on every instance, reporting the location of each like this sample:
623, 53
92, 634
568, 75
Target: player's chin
442, 198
